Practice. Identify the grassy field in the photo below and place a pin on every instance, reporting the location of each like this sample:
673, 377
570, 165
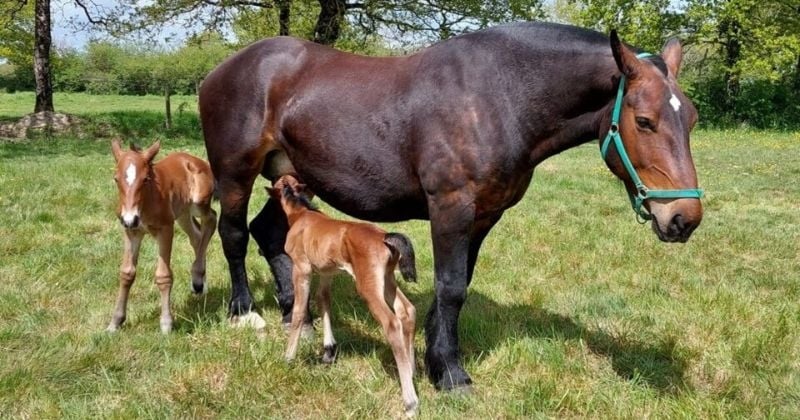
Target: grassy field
576, 310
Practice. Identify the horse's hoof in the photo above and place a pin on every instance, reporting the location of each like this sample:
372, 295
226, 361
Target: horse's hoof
199, 289
411, 409
329, 355
249, 320
166, 328
456, 381
112, 328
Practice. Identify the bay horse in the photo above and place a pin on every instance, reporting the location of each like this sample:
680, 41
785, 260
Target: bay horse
317, 243
451, 134
152, 197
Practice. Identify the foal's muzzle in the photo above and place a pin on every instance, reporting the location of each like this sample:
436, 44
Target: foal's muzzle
130, 221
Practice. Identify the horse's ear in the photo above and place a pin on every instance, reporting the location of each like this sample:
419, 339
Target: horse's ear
672, 53
151, 151
273, 192
627, 63
116, 149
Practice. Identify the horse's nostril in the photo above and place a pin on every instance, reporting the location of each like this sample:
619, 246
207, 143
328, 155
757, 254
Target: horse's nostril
678, 223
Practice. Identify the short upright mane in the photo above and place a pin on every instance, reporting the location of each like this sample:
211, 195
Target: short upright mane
297, 198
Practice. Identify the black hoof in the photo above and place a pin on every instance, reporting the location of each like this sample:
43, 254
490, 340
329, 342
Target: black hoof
329, 356
240, 306
198, 289
448, 378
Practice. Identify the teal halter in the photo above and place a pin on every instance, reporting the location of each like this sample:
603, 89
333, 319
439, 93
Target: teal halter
642, 192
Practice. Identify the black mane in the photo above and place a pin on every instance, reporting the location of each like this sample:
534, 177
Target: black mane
298, 198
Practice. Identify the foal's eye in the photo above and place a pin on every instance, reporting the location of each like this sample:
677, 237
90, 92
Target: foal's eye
645, 123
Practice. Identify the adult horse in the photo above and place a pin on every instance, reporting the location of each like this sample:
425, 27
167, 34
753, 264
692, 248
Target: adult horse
451, 134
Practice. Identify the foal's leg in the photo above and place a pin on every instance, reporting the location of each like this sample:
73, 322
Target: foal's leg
371, 286
164, 275
204, 232
405, 310
301, 277
190, 226
132, 239
324, 303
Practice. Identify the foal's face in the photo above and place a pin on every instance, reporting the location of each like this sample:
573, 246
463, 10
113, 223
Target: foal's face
132, 174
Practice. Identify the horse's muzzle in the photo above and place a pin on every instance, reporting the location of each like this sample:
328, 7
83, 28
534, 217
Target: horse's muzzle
130, 222
676, 221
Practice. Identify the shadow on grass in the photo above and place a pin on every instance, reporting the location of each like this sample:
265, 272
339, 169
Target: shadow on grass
486, 325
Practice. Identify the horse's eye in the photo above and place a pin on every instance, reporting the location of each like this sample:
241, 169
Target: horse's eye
645, 123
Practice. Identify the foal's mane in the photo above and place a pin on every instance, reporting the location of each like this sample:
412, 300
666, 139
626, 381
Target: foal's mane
299, 199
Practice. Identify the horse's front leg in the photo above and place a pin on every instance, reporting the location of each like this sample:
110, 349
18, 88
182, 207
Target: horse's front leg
132, 239
164, 274
451, 223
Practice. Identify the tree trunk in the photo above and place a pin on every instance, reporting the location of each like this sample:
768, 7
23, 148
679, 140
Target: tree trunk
730, 32
41, 57
329, 21
284, 13
168, 107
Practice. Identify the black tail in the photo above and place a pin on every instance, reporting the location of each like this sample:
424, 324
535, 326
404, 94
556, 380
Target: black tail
400, 244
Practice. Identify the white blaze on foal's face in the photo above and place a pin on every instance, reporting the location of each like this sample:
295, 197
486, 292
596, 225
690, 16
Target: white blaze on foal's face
130, 173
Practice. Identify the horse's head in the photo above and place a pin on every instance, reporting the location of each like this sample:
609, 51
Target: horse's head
131, 175
291, 193
652, 124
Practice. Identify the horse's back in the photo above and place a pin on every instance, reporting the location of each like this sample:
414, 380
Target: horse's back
190, 175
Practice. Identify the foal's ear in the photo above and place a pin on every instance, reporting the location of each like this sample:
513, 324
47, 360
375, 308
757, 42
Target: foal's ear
116, 149
151, 151
672, 53
273, 192
626, 59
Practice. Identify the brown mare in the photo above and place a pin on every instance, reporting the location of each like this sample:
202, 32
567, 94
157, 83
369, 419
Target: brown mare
317, 243
152, 196
451, 134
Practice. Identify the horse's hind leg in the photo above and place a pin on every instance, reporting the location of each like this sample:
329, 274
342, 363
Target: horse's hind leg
269, 230
371, 286
164, 275
127, 274
324, 303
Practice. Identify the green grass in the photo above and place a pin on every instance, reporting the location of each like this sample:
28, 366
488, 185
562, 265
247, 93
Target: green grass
575, 311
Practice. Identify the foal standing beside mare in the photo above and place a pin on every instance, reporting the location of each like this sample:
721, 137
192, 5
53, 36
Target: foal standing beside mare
450, 134
317, 243
152, 196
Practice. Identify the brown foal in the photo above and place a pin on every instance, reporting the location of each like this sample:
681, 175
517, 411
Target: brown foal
152, 196
317, 243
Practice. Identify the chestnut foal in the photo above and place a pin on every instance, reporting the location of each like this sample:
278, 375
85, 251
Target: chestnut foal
151, 198
320, 244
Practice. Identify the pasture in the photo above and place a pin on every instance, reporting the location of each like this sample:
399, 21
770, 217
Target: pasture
575, 311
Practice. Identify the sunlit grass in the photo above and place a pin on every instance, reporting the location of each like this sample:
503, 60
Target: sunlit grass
575, 310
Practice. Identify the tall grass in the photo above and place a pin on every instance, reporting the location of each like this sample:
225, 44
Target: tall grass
575, 311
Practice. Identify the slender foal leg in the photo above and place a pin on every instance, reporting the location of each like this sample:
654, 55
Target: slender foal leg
132, 239
208, 224
164, 275
371, 287
324, 304
301, 276
190, 226
404, 310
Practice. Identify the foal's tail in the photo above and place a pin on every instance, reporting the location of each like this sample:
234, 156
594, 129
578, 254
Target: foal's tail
401, 246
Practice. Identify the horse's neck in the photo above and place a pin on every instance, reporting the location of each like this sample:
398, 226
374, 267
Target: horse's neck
584, 96
294, 212
153, 195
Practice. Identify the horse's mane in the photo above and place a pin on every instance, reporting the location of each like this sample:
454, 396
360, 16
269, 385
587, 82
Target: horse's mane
299, 199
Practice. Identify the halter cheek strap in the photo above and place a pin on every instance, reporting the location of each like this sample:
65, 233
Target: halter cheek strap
642, 192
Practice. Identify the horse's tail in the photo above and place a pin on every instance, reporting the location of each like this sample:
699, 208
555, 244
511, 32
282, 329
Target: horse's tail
401, 247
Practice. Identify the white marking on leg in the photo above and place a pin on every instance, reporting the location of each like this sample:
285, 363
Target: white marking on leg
675, 102
130, 174
250, 319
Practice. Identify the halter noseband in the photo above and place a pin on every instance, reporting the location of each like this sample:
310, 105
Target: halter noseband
642, 192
